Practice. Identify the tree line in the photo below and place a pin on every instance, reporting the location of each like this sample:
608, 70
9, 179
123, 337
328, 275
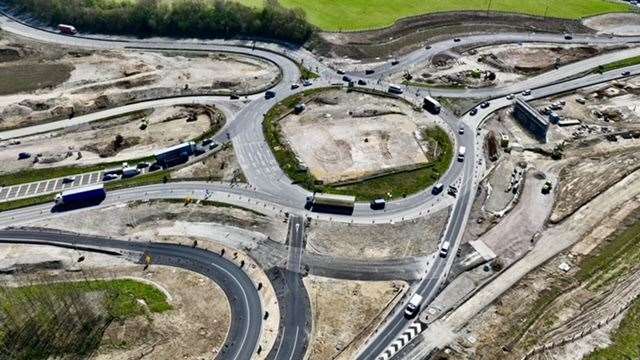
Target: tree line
191, 18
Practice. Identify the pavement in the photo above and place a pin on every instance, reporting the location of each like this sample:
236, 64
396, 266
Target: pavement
271, 191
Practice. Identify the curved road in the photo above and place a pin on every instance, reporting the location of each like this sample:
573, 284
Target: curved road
244, 299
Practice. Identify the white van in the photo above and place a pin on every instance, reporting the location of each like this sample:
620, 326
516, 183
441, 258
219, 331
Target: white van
444, 250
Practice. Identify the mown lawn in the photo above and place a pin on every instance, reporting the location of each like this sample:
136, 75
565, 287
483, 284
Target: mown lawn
349, 15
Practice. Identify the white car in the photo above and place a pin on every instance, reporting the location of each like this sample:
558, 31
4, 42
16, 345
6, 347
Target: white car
510, 97
526, 93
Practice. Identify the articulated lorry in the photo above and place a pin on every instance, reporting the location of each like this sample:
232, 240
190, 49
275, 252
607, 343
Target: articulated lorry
333, 203
84, 196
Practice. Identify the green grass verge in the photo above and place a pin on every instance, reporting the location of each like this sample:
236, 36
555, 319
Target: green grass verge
617, 257
387, 186
306, 74
122, 295
141, 180
350, 15
21, 203
68, 319
625, 339
619, 64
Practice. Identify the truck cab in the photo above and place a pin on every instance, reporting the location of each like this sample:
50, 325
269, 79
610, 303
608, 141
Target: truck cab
444, 250
413, 306
461, 151
378, 204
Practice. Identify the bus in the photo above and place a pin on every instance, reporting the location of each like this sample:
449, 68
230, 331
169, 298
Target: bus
431, 105
332, 203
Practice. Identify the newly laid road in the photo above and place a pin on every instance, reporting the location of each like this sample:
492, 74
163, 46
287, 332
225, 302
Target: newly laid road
244, 299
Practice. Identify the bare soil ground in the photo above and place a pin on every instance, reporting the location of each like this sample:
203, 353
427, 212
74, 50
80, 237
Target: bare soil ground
496, 65
221, 166
584, 178
409, 34
195, 328
550, 304
411, 238
151, 221
346, 136
342, 311
142, 134
99, 79
617, 24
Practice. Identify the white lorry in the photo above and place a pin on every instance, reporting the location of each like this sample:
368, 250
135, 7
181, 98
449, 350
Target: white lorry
444, 250
461, 151
413, 306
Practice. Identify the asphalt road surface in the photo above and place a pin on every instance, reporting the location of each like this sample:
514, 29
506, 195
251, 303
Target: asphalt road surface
246, 308
293, 300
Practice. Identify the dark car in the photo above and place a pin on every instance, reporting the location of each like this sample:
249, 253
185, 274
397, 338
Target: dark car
456, 40
473, 111
626, 73
234, 97
154, 167
378, 204
484, 104
362, 82
24, 155
346, 78
369, 71
269, 94
395, 62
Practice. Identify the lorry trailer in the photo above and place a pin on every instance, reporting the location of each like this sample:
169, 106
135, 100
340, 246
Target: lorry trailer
82, 196
331, 203
431, 105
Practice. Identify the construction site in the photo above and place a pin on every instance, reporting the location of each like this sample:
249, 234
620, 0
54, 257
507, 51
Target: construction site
357, 136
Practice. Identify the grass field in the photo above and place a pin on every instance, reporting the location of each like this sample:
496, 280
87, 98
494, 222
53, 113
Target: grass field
349, 15
67, 320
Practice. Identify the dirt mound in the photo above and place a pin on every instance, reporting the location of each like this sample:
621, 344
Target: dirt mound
7, 55
408, 34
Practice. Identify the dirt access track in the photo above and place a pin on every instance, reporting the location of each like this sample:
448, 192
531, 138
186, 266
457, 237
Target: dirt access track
346, 136
409, 34
43, 83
